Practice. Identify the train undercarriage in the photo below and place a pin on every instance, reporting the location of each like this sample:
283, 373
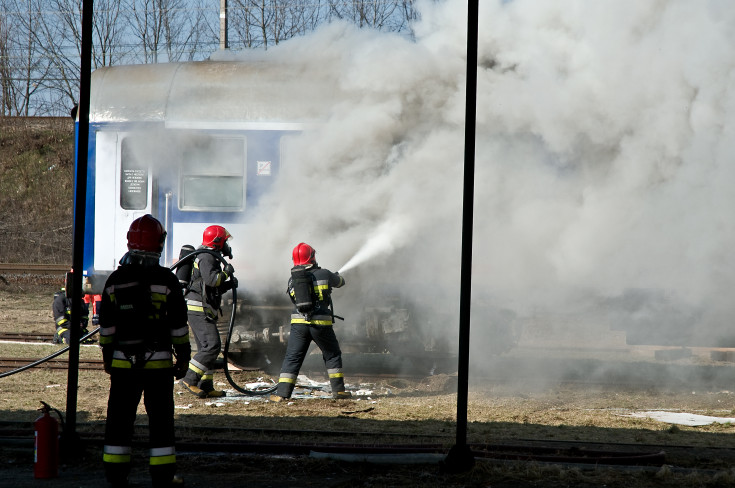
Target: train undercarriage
391, 338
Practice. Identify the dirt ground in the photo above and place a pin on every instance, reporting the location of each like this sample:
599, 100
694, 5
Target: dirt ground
384, 412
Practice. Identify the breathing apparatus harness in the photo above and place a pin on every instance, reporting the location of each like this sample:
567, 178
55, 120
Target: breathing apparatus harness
185, 259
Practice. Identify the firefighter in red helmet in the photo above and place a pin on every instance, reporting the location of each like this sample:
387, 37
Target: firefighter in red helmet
209, 281
145, 344
312, 319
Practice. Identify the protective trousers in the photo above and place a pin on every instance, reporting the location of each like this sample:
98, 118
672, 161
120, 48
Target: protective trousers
209, 345
126, 388
298, 345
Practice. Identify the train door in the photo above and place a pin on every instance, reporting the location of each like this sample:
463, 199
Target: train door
124, 192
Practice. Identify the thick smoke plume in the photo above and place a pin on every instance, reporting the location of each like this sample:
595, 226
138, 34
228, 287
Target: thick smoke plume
605, 157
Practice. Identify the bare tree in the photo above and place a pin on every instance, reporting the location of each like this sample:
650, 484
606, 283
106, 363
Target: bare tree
365, 13
40, 40
260, 23
24, 69
7, 92
165, 27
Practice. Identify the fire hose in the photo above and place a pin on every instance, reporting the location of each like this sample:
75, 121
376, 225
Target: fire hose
226, 349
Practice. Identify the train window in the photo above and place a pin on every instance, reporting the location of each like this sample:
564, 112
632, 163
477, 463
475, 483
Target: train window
213, 174
289, 149
133, 178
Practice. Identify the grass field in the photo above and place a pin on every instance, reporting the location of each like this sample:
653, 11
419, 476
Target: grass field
390, 411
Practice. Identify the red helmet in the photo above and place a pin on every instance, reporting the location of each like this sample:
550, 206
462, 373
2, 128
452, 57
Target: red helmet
303, 254
146, 234
215, 236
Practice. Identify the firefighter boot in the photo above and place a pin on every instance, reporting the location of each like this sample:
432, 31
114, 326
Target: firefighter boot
342, 395
207, 386
195, 390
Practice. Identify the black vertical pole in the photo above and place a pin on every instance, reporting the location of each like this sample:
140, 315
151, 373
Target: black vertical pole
460, 457
69, 437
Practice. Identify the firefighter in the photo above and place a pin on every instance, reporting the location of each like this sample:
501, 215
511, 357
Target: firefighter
145, 344
61, 309
313, 322
209, 281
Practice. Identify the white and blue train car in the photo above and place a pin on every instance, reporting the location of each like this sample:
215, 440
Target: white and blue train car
193, 144
198, 143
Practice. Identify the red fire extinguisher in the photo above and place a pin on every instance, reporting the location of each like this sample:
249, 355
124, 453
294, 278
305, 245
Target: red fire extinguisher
46, 453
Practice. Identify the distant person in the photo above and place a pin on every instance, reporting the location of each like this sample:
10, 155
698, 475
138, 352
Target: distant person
209, 281
312, 319
61, 309
142, 330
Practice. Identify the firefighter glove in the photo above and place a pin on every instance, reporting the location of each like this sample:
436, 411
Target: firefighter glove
233, 282
180, 369
229, 269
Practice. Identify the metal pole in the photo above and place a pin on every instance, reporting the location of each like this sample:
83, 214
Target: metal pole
460, 457
223, 41
69, 438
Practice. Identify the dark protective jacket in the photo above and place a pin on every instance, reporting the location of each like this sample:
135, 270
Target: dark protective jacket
208, 284
324, 280
143, 318
61, 309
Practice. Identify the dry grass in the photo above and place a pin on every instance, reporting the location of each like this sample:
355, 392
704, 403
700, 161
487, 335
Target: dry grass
397, 411
36, 185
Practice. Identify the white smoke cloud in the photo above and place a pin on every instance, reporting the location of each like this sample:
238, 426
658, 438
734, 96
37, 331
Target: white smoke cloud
605, 154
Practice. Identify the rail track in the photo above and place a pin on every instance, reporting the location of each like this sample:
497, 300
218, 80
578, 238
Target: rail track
26, 337
33, 268
8, 363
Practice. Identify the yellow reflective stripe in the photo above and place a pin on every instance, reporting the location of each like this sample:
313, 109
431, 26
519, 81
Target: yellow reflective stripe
337, 375
195, 308
207, 376
121, 363
116, 454
310, 322
320, 289
180, 340
104, 340
160, 364
160, 460
158, 297
287, 380
162, 455
116, 458
195, 369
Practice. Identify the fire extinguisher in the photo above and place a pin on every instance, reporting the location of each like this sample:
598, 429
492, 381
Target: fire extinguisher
46, 452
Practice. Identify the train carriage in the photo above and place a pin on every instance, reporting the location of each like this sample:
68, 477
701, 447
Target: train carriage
199, 143
191, 143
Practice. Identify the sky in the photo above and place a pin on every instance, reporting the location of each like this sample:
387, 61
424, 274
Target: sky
604, 163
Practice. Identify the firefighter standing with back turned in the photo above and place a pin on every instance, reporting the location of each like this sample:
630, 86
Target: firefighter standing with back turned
203, 299
142, 326
311, 320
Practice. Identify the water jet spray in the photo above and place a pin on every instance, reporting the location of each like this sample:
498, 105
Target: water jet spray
383, 242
